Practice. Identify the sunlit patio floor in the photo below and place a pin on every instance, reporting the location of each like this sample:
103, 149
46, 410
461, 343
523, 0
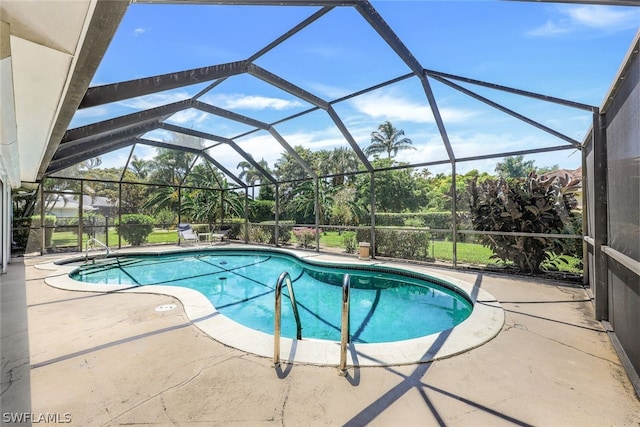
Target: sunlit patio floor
112, 359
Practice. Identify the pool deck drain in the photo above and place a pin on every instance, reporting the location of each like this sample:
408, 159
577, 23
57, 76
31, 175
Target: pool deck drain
484, 323
166, 307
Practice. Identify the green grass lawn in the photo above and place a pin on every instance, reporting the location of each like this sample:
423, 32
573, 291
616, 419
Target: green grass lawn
68, 238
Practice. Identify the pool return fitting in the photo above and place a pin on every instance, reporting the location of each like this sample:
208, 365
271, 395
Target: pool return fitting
277, 329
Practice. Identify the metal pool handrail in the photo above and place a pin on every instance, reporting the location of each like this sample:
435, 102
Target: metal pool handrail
346, 320
278, 315
94, 240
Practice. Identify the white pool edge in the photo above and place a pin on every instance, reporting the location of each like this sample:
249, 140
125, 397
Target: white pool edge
484, 323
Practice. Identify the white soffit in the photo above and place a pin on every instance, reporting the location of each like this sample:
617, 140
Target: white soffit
39, 76
55, 24
45, 37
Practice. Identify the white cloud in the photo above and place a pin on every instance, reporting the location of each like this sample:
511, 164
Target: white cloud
392, 106
139, 31
604, 17
188, 116
330, 91
484, 143
252, 102
549, 29
261, 146
590, 17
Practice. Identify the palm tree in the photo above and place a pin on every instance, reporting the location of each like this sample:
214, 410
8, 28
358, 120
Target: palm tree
388, 139
140, 167
305, 197
341, 161
252, 174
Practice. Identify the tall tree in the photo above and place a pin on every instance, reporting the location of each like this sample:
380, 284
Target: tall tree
514, 167
342, 160
388, 139
140, 167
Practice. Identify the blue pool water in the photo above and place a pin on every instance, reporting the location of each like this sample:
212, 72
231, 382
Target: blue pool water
385, 306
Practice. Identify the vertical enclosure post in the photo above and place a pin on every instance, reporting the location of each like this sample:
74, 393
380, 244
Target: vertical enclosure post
454, 220
373, 215
600, 233
316, 181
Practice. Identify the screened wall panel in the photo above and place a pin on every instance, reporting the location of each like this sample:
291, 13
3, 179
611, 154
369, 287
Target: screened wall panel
623, 205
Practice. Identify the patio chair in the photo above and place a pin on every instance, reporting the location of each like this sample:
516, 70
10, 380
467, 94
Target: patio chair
220, 235
186, 234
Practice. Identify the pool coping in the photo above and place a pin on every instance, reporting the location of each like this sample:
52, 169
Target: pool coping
484, 323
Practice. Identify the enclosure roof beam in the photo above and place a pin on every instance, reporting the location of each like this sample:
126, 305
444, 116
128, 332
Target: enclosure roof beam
93, 151
287, 86
509, 111
302, 25
211, 137
108, 126
167, 145
253, 163
317, 15
371, 15
99, 95
191, 132
518, 153
437, 117
199, 152
515, 91
352, 142
217, 111
293, 152
223, 169
72, 147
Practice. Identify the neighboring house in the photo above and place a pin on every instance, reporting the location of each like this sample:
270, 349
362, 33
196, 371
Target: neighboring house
67, 206
569, 178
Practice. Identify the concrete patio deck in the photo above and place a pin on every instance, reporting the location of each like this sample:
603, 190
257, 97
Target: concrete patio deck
112, 359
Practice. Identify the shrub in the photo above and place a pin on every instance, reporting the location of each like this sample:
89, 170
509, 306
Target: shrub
261, 210
166, 218
399, 243
284, 231
350, 242
135, 228
258, 234
413, 222
530, 205
236, 229
305, 235
440, 220
402, 244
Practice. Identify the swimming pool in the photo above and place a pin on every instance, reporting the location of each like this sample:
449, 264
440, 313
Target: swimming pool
386, 305
482, 324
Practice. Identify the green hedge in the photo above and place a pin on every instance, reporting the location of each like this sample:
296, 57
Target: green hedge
403, 244
135, 228
440, 220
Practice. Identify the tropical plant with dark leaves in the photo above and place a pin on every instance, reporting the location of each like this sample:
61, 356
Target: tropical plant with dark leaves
530, 205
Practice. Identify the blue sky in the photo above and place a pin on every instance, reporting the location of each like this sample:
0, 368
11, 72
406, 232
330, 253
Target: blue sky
566, 51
